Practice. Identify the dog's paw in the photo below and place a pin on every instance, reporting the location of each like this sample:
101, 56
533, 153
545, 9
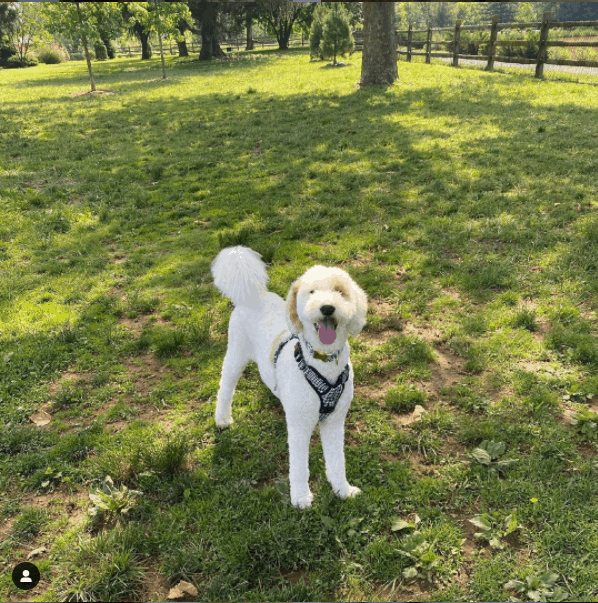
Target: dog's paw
349, 491
223, 422
304, 502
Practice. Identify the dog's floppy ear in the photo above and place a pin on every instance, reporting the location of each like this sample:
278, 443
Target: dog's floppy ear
357, 323
293, 322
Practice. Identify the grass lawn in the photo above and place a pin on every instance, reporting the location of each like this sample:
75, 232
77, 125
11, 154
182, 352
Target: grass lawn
464, 203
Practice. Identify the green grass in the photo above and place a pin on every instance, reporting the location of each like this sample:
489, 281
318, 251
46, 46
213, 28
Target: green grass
465, 204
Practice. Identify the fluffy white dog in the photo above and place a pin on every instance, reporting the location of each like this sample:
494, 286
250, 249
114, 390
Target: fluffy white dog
302, 353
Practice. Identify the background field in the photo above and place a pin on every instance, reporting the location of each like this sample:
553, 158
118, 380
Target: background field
464, 203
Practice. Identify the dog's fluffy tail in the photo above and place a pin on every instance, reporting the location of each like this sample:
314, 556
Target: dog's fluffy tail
240, 275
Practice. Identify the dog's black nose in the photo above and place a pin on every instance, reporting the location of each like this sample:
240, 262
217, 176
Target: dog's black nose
327, 310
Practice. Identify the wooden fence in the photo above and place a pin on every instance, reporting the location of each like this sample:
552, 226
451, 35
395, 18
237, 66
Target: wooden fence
227, 45
543, 43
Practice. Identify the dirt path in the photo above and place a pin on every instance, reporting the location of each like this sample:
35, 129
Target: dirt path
565, 68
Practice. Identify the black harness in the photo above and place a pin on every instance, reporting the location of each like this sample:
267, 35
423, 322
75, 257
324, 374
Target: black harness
328, 393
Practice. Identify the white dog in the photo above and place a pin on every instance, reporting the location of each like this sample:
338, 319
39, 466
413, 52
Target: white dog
302, 354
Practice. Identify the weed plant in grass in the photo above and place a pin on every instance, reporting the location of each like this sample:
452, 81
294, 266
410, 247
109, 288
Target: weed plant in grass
464, 203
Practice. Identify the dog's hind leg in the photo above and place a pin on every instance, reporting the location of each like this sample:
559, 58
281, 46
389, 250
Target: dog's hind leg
236, 359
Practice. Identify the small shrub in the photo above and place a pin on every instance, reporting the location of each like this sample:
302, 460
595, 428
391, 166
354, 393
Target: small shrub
336, 33
49, 56
315, 35
5, 53
15, 62
100, 49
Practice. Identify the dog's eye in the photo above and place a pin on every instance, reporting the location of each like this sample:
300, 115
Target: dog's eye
340, 289
311, 291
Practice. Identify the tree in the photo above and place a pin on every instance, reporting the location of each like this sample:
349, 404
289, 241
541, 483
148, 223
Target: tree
379, 59
77, 21
336, 33
317, 29
243, 13
506, 11
533, 11
134, 15
28, 23
159, 17
8, 17
280, 16
578, 11
206, 14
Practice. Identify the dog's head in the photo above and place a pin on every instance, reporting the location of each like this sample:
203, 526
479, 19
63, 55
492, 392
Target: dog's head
327, 306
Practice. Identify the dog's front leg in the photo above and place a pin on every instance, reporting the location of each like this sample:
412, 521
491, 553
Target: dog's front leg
299, 437
333, 435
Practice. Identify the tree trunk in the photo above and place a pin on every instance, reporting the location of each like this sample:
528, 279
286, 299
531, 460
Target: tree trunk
210, 49
379, 58
249, 23
183, 51
146, 49
86, 48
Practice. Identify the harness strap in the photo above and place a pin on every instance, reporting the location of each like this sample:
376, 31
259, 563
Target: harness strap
328, 393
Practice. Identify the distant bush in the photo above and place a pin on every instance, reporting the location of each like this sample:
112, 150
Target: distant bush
14, 62
49, 56
52, 48
100, 50
469, 42
5, 53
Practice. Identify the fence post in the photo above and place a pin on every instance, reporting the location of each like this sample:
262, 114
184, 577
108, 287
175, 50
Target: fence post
429, 44
409, 34
492, 45
542, 48
130, 55
456, 42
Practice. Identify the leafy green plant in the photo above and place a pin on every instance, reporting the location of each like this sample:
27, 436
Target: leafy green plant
401, 524
576, 394
488, 452
586, 422
110, 501
538, 587
54, 478
421, 553
494, 527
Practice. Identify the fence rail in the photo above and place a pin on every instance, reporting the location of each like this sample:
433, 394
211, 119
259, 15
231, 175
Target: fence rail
228, 45
543, 43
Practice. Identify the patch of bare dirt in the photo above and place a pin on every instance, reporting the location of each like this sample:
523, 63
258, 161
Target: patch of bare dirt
136, 325
67, 376
155, 586
146, 372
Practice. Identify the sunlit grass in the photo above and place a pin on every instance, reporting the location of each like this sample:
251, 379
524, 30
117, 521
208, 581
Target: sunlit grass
463, 202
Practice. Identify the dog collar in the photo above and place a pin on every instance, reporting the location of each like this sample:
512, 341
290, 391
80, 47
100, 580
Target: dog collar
320, 355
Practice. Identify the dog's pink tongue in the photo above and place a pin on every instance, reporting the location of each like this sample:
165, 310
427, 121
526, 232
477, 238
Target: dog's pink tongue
327, 334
